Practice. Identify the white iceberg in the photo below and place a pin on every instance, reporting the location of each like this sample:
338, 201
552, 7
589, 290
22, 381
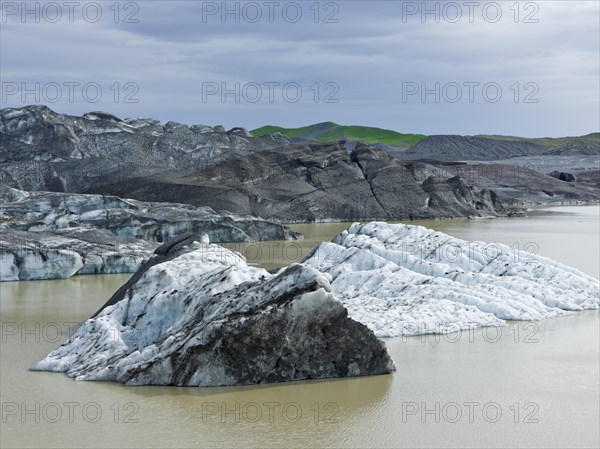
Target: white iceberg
407, 280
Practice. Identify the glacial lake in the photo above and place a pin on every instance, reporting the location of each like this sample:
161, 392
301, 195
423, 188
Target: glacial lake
523, 385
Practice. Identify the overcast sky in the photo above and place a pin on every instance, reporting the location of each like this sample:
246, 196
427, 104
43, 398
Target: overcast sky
515, 68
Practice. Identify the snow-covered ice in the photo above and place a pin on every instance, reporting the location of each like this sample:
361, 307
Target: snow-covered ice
407, 280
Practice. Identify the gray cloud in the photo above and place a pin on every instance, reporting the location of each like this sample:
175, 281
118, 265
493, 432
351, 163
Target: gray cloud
369, 53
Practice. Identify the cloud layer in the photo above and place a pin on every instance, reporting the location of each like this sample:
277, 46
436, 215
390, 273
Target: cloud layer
524, 68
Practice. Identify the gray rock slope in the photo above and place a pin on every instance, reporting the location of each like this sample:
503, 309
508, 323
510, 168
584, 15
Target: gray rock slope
38, 133
199, 316
48, 235
320, 182
44, 150
203, 166
514, 185
270, 177
456, 148
476, 148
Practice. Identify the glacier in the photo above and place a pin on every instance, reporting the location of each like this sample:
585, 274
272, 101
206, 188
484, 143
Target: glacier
55, 235
63, 253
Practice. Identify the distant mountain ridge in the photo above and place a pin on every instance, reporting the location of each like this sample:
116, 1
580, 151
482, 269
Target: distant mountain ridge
484, 148
592, 139
329, 131
441, 147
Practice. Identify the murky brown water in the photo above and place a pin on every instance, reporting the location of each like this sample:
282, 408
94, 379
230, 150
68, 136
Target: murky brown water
525, 385
555, 233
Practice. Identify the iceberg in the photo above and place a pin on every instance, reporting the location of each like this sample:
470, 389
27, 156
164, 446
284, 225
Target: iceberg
407, 280
198, 315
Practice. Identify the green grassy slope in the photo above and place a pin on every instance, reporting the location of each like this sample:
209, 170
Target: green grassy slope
333, 131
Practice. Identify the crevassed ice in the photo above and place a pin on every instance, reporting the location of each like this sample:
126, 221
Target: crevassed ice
408, 280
